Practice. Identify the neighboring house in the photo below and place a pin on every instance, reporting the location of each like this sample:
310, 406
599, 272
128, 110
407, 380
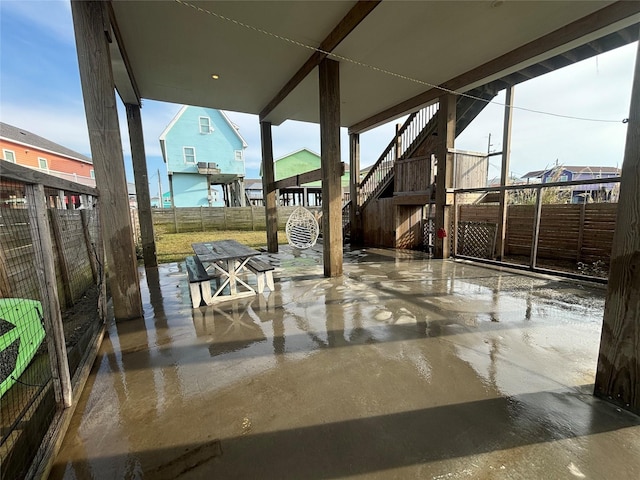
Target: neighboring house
296, 163
253, 187
30, 150
579, 193
203, 149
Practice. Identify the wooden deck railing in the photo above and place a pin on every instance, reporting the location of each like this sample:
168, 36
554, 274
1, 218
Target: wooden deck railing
406, 139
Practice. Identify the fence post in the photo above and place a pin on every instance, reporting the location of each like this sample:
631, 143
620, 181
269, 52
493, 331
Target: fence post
46, 273
175, 220
583, 214
90, 247
536, 229
62, 259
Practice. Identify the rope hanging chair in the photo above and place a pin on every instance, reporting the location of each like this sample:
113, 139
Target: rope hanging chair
302, 229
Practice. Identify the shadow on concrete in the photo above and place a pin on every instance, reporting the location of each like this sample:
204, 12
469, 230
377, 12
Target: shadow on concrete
379, 443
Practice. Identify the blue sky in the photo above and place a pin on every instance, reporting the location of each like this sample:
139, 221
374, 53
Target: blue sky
40, 92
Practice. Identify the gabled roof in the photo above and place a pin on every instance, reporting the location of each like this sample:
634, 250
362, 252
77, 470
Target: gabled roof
182, 110
303, 149
573, 169
29, 139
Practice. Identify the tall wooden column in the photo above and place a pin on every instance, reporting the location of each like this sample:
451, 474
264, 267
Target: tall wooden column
618, 373
331, 169
269, 193
354, 188
136, 139
444, 180
91, 25
504, 174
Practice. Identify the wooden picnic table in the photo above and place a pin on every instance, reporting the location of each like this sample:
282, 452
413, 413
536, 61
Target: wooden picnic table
226, 258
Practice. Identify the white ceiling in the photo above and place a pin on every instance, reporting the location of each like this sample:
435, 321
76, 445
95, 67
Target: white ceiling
173, 49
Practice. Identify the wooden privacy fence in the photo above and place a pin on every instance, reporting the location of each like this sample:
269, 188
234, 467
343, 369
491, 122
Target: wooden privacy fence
581, 233
202, 219
52, 279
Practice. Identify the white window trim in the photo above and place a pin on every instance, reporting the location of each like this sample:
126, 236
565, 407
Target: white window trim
236, 152
92, 173
13, 154
46, 162
200, 126
184, 155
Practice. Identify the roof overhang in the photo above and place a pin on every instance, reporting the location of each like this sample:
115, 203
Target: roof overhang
389, 62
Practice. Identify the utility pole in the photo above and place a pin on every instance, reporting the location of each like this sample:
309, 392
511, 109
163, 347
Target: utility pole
160, 200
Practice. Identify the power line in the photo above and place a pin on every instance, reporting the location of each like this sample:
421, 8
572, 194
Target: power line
388, 72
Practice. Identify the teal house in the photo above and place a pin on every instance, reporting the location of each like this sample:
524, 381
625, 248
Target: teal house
204, 154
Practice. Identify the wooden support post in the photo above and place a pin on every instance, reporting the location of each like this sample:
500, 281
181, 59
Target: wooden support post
5, 285
536, 229
583, 215
444, 179
504, 174
329, 71
91, 253
354, 189
91, 25
139, 159
618, 372
63, 265
398, 141
46, 274
175, 220
269, 193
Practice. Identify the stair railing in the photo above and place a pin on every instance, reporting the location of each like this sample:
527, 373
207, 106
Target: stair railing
404, 140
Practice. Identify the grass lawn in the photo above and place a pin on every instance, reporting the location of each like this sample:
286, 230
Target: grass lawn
174, 247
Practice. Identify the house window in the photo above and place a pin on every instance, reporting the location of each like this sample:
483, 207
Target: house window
92, 173
205, 125
42, 163
239, 156
563, 178
189, 154
9, 156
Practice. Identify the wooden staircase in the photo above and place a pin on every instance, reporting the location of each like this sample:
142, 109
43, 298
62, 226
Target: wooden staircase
421, 124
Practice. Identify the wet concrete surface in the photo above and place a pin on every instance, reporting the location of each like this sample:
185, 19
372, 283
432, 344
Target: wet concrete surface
405, 367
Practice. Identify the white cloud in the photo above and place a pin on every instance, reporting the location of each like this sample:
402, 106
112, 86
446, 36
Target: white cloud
66, 126
52, 17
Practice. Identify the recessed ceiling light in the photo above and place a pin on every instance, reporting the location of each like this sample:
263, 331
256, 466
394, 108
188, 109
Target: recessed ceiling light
215, 76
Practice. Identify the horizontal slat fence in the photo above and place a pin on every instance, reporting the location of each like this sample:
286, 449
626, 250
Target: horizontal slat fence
202, 219
582, 233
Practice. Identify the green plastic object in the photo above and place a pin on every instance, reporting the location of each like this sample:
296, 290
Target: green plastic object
21, 333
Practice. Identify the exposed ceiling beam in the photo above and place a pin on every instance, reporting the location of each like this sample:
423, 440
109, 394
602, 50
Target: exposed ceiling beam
351, 20
128, 91
600, 19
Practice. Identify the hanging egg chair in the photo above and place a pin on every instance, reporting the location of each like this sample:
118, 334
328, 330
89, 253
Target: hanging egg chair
302, 229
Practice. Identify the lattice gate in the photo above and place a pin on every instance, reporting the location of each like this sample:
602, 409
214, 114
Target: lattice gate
476, 239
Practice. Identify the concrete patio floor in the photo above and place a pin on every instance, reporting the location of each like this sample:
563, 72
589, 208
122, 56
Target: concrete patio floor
405, 367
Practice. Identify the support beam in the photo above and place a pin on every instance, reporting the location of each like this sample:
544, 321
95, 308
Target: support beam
504, 174
301, 179
351, 20
91, 25
354, 189
615, 12
136, 139
329, 72
269, 192
444, 178
618, 373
